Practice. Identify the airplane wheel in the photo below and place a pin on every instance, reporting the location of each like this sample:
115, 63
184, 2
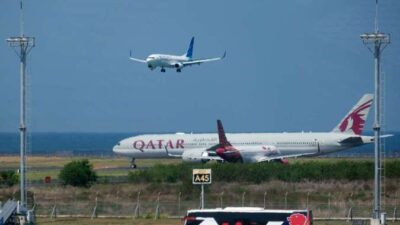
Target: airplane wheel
163, 70
133, 165
178, 70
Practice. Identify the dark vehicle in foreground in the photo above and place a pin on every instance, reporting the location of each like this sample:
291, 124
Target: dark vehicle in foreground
248, 216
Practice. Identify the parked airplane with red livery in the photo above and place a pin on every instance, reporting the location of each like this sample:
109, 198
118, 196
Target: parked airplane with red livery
251, 147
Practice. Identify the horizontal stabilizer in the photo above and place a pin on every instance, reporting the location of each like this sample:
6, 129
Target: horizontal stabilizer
358, 140
386, 135
352, 140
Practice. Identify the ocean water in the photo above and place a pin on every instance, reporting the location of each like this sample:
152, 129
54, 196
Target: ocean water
101, 144
63, 143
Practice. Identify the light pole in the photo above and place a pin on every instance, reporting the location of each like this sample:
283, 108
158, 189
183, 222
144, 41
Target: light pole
22, 45
378, 41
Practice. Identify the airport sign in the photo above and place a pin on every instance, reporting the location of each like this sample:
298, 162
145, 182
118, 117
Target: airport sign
201, 176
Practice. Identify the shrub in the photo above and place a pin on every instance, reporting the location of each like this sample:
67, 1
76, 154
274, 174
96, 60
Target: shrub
392, 169
262, 172
8, 178
78, 173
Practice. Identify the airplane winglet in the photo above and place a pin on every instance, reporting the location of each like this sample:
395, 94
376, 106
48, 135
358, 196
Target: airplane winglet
171, 155
223, 141
135, 59
224, 55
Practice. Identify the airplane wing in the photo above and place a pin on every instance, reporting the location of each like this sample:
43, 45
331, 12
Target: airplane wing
138, 60
279, 157
200, 61
135, 59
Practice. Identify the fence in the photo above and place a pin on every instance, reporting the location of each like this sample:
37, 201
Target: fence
157, 206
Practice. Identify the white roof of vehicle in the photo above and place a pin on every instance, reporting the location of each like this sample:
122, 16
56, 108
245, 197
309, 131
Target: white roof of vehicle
246, 209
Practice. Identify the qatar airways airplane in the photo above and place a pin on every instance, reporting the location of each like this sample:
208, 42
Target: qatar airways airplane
251, 147
174, 61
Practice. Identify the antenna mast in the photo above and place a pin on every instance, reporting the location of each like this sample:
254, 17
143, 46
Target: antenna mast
22, 46
376, 43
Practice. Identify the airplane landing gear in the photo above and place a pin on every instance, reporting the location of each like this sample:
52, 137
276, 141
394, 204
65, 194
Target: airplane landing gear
178, 70
163, 70
133, 165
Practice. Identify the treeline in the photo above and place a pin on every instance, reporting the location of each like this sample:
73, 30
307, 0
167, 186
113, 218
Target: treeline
317, 170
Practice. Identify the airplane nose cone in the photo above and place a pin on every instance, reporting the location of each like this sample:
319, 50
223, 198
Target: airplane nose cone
116, 149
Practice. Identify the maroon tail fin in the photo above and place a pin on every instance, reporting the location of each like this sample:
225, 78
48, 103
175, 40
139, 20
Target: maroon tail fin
221, 135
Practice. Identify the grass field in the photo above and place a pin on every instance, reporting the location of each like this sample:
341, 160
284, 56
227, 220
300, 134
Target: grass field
119, 199
42, 166
59, 162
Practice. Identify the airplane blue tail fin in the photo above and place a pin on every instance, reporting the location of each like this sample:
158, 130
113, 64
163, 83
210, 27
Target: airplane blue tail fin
189, 52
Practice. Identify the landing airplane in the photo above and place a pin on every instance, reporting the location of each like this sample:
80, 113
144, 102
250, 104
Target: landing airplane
174, 61
251, 147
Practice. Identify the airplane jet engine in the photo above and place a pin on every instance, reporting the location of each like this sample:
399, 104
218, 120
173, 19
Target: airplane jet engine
178, 65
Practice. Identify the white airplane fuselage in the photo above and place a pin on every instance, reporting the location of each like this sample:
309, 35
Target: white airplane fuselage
153, 146
165, 61
252, 147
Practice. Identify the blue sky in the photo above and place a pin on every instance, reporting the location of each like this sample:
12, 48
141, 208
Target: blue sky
290, 65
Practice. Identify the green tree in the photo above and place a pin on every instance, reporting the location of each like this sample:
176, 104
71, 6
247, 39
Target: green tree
8, 178
78, 173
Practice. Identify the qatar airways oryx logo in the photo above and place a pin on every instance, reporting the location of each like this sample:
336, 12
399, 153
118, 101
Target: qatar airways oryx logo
356, 119
158, 144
